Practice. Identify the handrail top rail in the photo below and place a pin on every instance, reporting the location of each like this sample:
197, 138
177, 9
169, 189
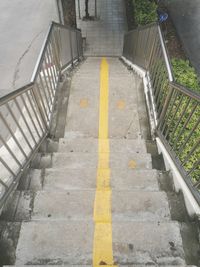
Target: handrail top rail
7, 97
142, 27
24, 88
65, 26
45, 43
191, 93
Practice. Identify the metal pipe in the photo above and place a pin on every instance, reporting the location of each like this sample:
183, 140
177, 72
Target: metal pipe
31, 118
95, 7
165, 56
8, 168
79, 10
10, 151
13, 135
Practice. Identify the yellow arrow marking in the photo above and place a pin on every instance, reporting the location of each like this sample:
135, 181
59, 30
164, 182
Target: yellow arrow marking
120, 104
84, 103
132, 164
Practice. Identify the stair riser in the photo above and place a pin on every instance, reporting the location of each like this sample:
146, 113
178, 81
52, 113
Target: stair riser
91, 146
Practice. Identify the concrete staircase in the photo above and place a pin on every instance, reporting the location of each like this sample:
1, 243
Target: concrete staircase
57, 210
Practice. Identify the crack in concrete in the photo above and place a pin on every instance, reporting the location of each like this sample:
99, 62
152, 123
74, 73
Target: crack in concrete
129, 127
17, 68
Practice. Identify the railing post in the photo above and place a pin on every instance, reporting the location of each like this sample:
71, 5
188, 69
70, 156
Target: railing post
146, 51
77, 45
71, 49
165, 107
39, 107
151, 52
165, 55
79, 10
135, 47
95, 9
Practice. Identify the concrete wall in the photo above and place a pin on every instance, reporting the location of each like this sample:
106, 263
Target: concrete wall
186, 17
23, 26
69, 12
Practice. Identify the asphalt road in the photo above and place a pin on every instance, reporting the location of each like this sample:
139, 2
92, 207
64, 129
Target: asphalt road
186, 17
23, 26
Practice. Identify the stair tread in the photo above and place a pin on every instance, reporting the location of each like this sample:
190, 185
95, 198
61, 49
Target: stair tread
133, 242
91, 145
57, 179
79, 205
90, 160
119, 265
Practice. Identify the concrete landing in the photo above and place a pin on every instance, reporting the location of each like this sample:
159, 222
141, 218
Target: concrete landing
104, 34
83, 113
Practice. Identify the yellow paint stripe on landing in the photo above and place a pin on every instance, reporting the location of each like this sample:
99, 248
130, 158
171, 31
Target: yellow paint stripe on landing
102, 247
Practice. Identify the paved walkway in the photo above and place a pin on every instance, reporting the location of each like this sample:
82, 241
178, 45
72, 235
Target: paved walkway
104, 36
186, 17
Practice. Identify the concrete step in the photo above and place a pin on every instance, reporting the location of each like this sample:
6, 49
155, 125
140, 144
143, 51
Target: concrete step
90, 160
119, 265
91, 145
64, 242
129, 179
79, 205
123, 124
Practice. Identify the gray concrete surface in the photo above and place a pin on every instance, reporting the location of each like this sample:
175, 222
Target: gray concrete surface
130, 265
104, 35
84, 101
90, 160
61, 225
23, 26
126, 205
91, 145
133, 242
129, 179
186, 17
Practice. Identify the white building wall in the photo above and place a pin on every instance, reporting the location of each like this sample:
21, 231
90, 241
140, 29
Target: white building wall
23, 26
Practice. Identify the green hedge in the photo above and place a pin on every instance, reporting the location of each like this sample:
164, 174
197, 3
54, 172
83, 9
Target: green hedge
145, 11
179, 111
185, 74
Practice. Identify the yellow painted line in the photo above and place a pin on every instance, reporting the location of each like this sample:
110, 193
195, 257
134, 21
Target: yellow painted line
102, 245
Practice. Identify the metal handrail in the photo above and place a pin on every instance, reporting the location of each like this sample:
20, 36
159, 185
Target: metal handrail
177, 108
26, 113
186, 91
14, 93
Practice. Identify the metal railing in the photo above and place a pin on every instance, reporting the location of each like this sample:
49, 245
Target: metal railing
176, 108
26, 113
